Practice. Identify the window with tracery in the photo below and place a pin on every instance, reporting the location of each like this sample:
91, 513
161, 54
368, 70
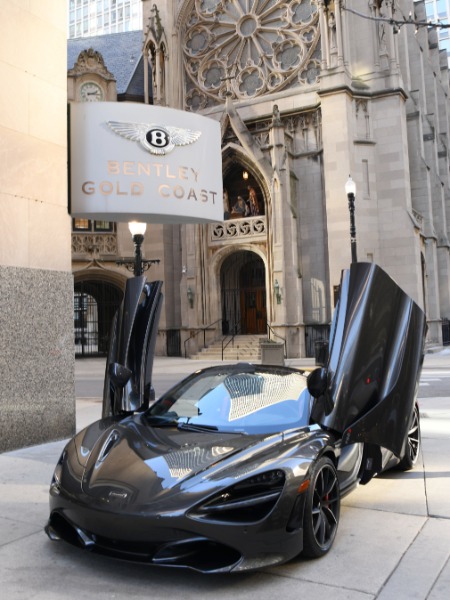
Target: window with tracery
248, 48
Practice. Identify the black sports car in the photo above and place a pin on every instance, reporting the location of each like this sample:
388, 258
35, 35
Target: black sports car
242, 466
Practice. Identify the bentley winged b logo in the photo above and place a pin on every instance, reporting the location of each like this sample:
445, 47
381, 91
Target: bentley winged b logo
157, 139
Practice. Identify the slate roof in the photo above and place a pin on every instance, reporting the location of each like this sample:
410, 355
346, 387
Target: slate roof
122, 54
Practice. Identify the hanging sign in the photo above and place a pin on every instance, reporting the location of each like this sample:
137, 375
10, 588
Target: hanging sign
146, 163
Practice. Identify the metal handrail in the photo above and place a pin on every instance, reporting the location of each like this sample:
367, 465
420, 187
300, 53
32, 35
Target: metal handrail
271, 331
237, 330
204, 329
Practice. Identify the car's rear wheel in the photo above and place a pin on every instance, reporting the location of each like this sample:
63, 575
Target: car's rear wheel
322, 507
412, 443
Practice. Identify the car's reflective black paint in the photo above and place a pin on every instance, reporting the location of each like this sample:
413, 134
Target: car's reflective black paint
129, 366
238, 466
375, 359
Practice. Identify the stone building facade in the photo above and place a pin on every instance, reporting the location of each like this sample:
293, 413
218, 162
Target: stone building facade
105, 68
37, 397
306, 92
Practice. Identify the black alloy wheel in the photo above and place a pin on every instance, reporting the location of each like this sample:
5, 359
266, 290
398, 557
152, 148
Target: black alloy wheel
412, 450
322, 508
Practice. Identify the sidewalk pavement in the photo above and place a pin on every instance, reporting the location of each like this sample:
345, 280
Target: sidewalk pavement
393, 541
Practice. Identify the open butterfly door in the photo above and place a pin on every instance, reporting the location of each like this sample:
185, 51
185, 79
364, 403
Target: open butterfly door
128, 376
376, 352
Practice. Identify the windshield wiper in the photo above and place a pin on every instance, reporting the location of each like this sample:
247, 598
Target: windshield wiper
197, 427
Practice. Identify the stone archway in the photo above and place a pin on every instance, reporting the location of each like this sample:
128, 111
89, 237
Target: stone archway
95, 304
243, 293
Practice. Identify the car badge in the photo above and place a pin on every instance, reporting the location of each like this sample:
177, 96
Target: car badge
156, 139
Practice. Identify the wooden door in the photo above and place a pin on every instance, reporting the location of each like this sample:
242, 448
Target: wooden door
253, 311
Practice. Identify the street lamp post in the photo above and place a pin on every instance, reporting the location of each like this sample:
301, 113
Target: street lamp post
137, 231
137, 264
350, 190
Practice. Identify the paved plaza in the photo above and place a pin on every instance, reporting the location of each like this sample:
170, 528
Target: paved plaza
393, 541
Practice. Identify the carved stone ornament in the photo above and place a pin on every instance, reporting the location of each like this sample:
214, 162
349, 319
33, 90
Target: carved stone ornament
91, 61
91, 244
253, 227
247, 49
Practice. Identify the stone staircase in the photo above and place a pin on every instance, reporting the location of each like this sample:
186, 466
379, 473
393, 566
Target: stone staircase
245, 348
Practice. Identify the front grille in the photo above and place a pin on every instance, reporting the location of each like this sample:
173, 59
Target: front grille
196, 553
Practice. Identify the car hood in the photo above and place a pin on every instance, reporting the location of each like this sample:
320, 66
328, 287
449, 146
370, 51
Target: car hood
133, 463
376, 355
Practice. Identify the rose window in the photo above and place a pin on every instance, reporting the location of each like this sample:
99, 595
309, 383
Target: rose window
247, 48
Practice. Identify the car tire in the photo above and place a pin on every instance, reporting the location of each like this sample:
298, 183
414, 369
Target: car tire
322, 508
413, 443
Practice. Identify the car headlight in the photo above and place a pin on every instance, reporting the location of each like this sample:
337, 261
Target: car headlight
248, 501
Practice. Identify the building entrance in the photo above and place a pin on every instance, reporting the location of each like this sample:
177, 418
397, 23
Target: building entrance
243, 294
95, 304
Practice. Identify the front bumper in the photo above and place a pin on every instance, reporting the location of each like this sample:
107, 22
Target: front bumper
174, 540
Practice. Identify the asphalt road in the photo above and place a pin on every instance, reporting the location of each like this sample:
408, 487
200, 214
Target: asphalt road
435, 381
89, 374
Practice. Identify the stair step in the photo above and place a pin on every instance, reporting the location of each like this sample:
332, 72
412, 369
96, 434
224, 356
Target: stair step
243, 347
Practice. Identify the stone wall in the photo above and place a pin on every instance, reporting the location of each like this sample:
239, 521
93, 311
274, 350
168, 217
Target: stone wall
36, 348
37, 398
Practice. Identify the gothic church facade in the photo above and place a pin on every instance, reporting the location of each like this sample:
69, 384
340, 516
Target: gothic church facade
307, 92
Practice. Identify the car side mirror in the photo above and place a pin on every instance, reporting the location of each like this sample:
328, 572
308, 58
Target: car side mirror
317, 382
119, 374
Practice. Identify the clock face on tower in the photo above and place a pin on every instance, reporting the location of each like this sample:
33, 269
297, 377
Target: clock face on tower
91, 92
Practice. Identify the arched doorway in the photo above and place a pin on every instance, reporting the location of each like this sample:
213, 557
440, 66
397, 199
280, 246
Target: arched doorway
95, 304
243, 294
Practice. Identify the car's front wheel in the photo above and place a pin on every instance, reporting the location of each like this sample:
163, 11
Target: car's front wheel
412, 443
322, 507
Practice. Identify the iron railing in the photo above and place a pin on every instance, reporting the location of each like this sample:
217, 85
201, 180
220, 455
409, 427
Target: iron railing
237, 330
202, 329
445, 332
315, 333
270, 332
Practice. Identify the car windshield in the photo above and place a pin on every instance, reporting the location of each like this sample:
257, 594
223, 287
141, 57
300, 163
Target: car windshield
253, 400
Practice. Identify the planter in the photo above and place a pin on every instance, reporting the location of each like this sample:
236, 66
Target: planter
272, 353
